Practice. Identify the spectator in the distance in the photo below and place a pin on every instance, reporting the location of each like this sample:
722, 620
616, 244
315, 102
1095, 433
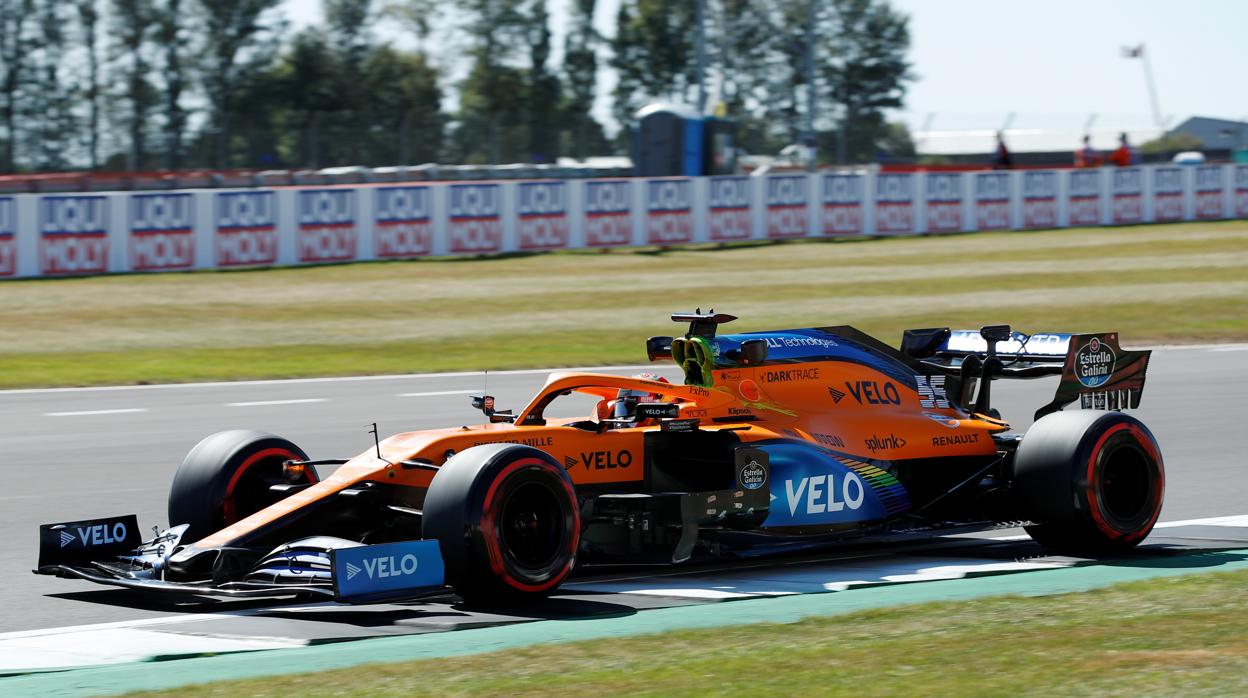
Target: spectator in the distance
1125, 155
1002, 160
1087, 156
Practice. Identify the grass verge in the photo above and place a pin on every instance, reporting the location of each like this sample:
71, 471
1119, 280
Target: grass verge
1173, 283
1181, 635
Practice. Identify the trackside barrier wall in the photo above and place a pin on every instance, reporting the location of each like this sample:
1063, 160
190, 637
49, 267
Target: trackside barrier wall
95, 233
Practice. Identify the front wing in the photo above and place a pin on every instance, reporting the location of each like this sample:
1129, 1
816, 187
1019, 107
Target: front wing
107, 551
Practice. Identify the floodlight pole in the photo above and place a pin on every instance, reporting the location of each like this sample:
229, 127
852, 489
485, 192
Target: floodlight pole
1142, 54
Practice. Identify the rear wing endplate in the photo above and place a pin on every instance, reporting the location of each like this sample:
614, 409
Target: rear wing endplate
1099, 374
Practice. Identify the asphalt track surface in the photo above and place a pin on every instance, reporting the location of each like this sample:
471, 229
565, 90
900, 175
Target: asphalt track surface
80, 453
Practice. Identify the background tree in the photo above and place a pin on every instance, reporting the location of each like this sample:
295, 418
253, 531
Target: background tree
580, 67
229, 29
492, 101
653, 54
1171, 143
132, 24
51, 97
170, 37
543, 97
15, 19
865, 68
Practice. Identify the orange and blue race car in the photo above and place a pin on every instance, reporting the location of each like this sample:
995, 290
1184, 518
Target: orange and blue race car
777, 441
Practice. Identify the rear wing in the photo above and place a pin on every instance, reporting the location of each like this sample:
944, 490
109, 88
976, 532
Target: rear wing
1094, 369
1019, 347
1100, 374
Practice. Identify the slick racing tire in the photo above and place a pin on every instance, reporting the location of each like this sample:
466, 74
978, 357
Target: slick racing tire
507, 521
226, 478
1092, 482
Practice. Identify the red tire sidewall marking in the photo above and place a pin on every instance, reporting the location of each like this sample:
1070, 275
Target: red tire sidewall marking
489, 529
227, 505
1094, 504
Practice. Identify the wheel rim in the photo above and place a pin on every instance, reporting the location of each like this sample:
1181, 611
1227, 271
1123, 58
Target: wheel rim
531, 527
248, 490
1126, 484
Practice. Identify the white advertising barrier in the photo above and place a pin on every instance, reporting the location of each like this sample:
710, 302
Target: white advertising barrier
788, 206
895, 203
8, 236
669, 211
1169, 187
81, 234
994, 200
1127, 195
944, 197
1041, 204
844, 204
730, 208
1241, 192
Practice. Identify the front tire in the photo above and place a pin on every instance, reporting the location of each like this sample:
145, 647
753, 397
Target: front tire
507, 521
226, 478
1093, 482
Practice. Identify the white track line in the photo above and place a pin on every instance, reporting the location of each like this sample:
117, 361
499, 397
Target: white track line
266, 403
439, 392
1234, 521
84, 413
455, 374
327, 379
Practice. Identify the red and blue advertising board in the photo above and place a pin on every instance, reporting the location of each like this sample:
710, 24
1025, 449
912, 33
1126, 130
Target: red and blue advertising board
8, 236
728, 208
402, 222
842, 204
1126, 187
474, 218
992, 200
669, 211
1083, 197
608, 212
162, 232
944, 202
73, 235
788, 210
1039, 199
1210, 196
542, 208
1168, 200
327, 230
894, 203
245, 224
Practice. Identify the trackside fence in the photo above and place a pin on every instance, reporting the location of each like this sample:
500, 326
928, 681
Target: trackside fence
82, 234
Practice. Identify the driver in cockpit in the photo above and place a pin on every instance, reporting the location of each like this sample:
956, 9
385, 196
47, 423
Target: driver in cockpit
624, 406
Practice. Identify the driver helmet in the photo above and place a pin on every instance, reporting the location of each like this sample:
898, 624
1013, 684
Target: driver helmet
626, 399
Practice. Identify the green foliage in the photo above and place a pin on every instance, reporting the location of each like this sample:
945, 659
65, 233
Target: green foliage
222, 83
1172, 143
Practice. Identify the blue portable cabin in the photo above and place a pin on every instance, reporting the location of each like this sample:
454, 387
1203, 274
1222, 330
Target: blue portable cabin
674, 140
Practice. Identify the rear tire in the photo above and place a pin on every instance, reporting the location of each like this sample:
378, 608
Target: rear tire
226, 477
1093, 482
507, 521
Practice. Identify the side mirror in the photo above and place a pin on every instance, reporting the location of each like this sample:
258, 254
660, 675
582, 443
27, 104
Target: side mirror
995, 333
754, 352
659, 348
658, 410
483, 402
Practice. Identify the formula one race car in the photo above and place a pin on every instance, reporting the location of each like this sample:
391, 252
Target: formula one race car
776, 441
